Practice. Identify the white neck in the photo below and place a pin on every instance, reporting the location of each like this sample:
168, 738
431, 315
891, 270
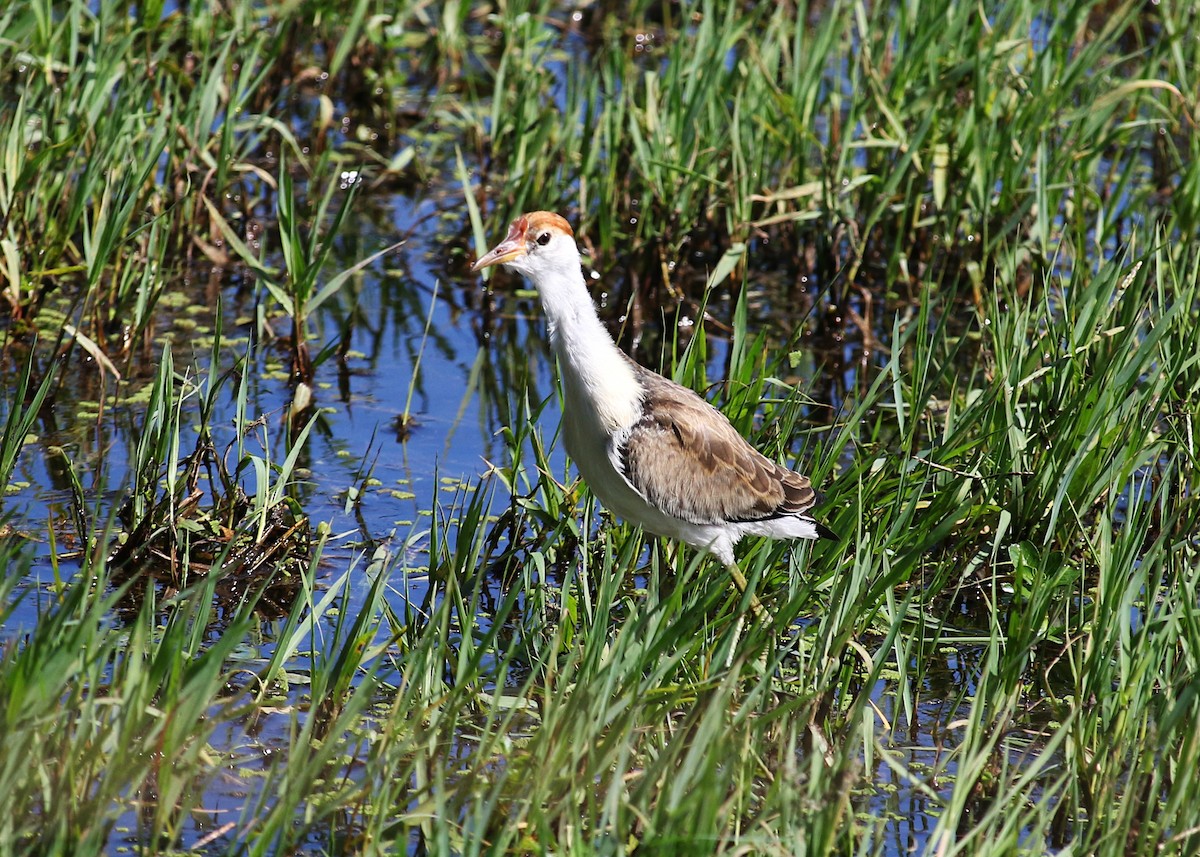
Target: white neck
594, 372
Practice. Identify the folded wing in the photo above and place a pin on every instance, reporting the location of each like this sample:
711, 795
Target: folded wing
684, 457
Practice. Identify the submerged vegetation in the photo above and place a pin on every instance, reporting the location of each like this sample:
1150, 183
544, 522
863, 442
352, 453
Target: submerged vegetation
944, 256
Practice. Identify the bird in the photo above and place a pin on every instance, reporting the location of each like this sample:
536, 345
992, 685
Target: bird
652, 451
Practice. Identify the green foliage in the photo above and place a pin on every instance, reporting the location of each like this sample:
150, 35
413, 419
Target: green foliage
998, 202
97, 714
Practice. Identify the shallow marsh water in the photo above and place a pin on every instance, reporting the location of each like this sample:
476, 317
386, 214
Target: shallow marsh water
981, 265
418, 470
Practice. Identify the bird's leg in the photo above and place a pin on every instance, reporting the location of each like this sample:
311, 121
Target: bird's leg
756, 607
743, 586
739, 579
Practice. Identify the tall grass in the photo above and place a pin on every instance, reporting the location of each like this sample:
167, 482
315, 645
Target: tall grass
989, 208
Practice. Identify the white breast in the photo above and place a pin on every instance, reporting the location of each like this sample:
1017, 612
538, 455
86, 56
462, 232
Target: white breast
596, 454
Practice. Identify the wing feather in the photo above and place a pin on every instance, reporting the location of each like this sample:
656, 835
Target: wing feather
684, 457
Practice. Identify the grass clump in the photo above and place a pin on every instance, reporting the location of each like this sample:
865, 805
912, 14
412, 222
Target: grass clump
169, 533
101, 717
961, 236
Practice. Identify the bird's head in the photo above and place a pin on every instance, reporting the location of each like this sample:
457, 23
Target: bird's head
539, 245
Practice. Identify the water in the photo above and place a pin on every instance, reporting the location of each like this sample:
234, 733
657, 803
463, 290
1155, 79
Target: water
422, 339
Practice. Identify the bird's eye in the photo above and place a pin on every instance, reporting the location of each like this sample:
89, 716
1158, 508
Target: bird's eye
544, 239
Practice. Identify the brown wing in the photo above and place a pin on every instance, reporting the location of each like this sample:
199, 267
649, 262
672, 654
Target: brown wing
685, 458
